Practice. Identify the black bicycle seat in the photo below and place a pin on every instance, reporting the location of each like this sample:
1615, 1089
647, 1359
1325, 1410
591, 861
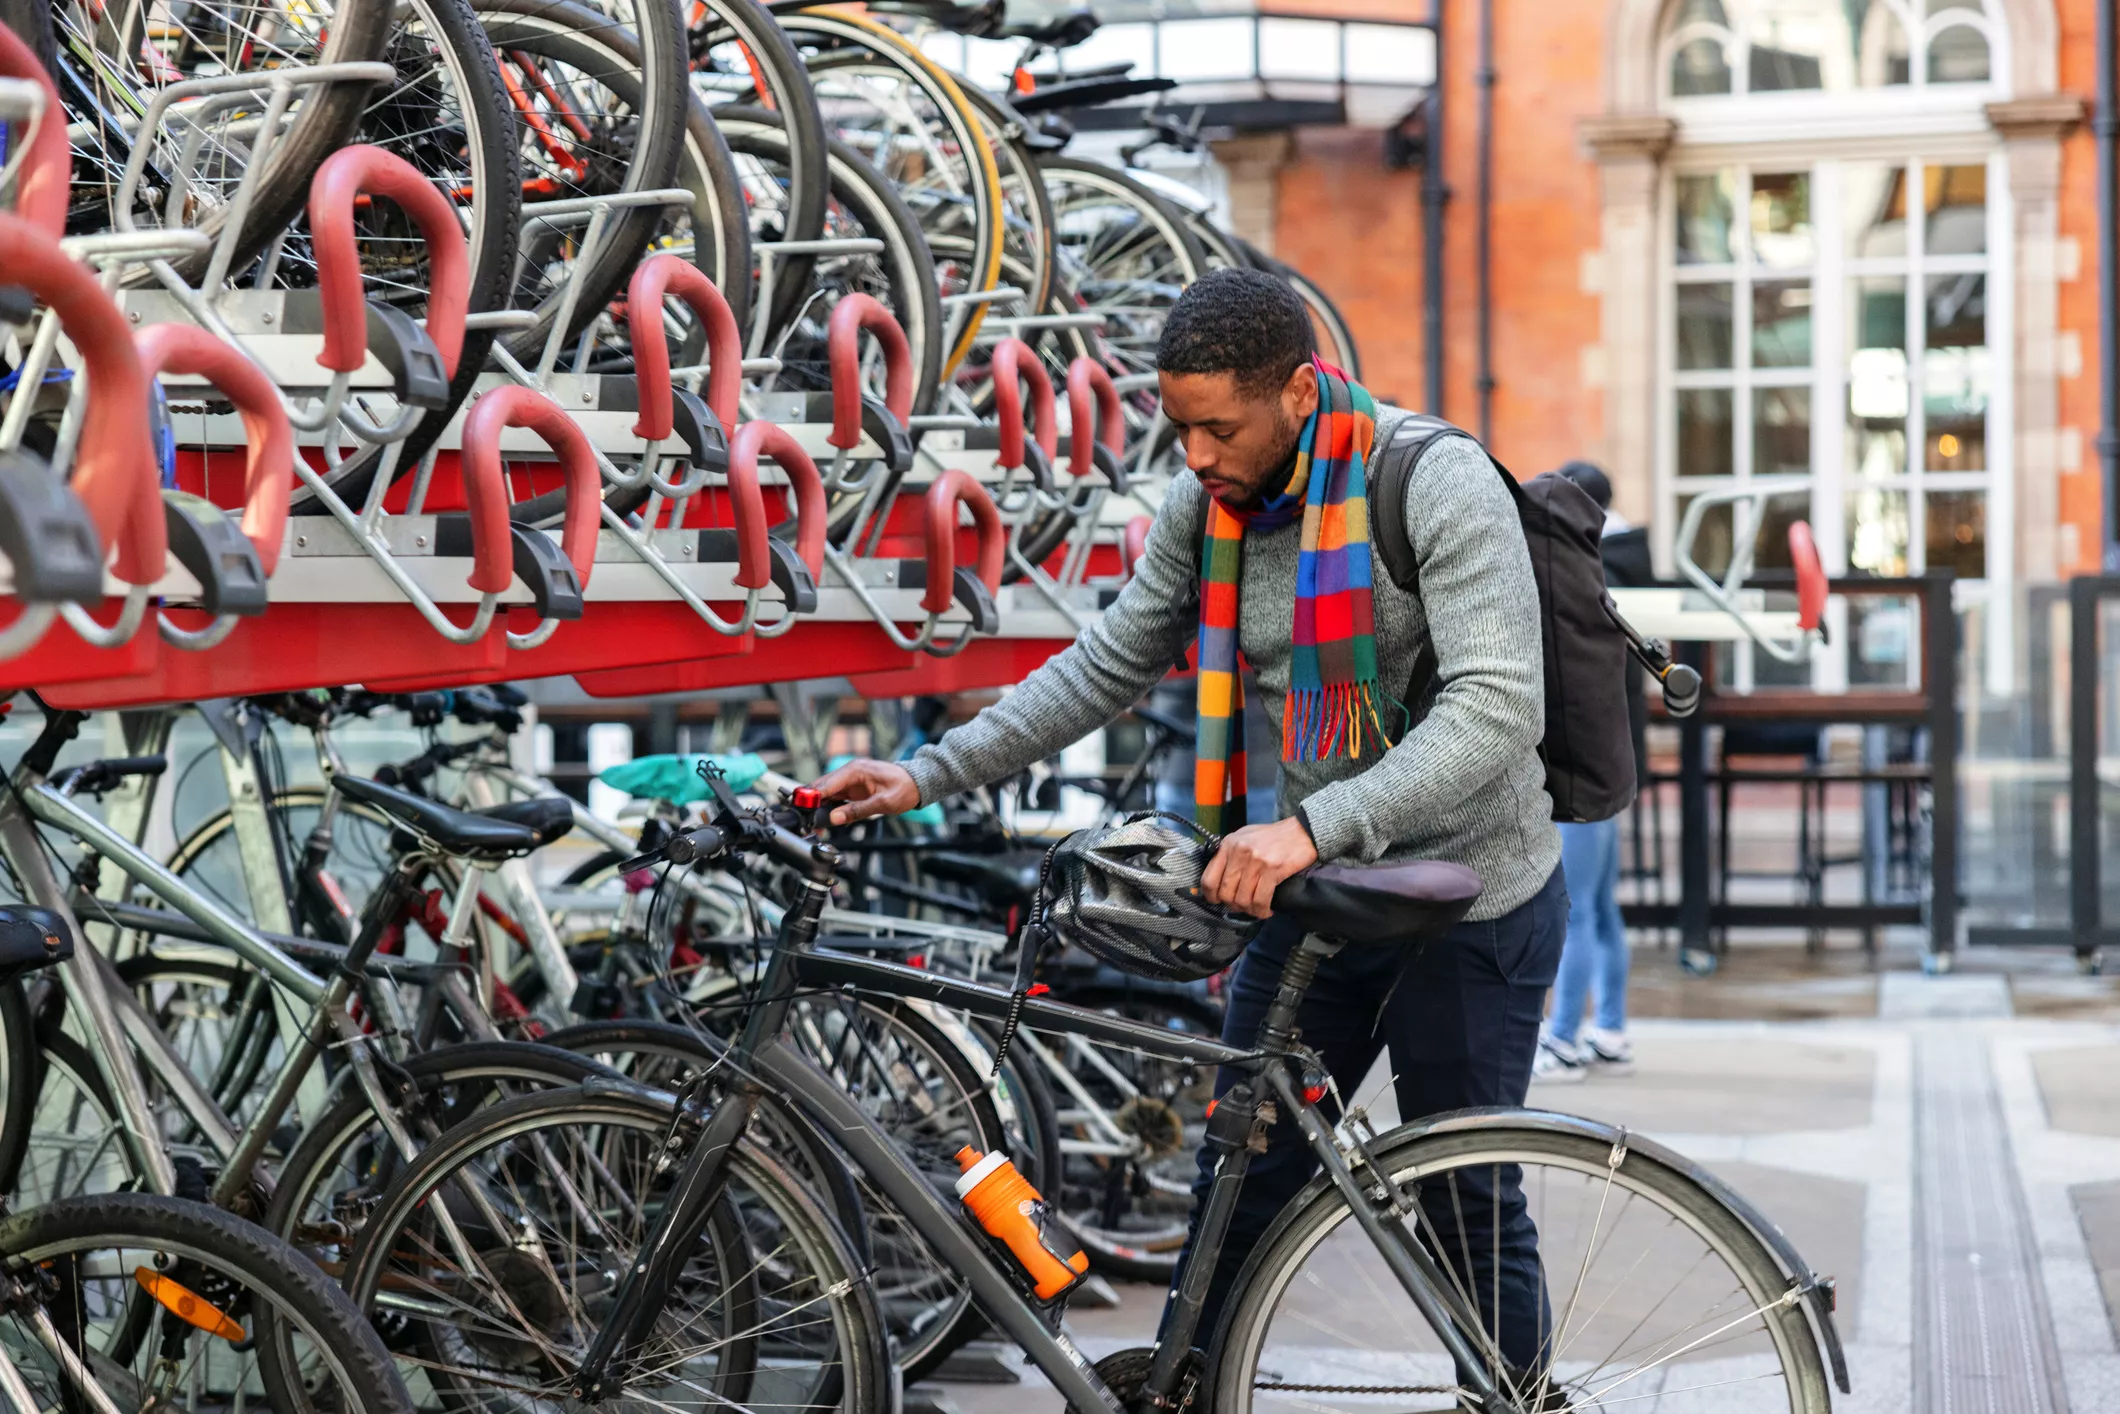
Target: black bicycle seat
1406, 902
1061, 32
455, 831
31, 938
1084, 93
547, 815
998, 883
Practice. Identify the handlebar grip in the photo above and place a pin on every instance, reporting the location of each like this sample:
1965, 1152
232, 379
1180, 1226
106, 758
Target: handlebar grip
268, 477
41, 194
1092, 394
854, 313
658, 277
494, 412
703, 843
1014, 361
953, 488
1681, 690
346, 175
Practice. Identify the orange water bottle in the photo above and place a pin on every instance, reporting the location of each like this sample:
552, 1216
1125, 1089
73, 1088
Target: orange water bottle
1011, 1211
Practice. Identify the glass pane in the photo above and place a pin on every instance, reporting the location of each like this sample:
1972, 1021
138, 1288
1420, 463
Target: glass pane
1877, 376
1790, 40
1882, 56
1954, 200
1877, 530
1711, 543
1699, 66
1954, 373
1704, 432
1704, 326
1957, 310
1781, 218
1883, 631
1875, 196
1707, 207
1781, 324
1956, 444
1957, 532
1700, 12
1958, 55
1770, 545
1781, 431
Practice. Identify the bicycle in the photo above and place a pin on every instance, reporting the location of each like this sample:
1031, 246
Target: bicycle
1772, 1298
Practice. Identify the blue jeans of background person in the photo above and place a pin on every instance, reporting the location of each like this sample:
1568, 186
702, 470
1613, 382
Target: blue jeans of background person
1460, 1015
1594, 962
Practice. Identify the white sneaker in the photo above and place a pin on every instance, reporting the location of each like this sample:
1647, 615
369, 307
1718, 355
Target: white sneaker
1609, 1051
1556, 1063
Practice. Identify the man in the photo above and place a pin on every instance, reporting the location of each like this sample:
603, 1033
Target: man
1273, 499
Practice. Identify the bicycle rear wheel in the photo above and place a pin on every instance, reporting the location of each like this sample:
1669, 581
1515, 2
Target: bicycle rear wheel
115, 1270
1640, 1284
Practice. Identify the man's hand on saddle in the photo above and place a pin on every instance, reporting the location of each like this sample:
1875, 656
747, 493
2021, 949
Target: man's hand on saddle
869, 788
1253, 862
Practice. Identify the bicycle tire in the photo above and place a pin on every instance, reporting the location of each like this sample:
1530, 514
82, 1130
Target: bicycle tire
1115, 237
844, 36
348, 1359
1498, 1138
62, 1060
853, 1373
192, 848
773, 80
1027, 208
18, 1080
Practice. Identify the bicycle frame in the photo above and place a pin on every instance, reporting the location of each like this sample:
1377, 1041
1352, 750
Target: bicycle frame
762, 1061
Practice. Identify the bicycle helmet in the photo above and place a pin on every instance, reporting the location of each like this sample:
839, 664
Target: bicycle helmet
1129, 895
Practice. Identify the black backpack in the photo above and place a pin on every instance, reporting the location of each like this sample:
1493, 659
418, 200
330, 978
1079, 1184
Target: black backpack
1588, 747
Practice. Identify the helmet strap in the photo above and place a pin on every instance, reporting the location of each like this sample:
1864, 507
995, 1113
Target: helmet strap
1030, 946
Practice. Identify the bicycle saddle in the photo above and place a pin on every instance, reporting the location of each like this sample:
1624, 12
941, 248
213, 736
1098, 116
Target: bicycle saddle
1407, 902
549, 817
997, 883
478, 834
31, 938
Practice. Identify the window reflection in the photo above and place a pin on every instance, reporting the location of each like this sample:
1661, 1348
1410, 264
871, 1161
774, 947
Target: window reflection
1781, 218
1957, 532
1875, 196
1704, 432
1958, 54
1781, 431
1954, 205
1781, 324
1829, 46
1705, 326
1698, 67
1707, 208
1877, 530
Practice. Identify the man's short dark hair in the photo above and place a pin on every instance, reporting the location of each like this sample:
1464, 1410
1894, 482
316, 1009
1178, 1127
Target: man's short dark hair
1591, 477
1243, 322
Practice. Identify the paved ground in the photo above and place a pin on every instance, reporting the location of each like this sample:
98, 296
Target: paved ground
1947, 1149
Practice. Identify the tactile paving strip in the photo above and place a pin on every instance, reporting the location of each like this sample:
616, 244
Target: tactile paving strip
1982, 1342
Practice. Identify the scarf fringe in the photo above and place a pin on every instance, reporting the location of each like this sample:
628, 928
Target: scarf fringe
1318, 722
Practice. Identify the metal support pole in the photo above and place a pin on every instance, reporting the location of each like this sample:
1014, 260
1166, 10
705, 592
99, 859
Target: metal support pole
2105, 124
2085, 900
1483, 383
1434, 196
1939, 653
1693, 883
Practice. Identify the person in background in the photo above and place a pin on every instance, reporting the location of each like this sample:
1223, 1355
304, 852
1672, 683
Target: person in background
1594, 956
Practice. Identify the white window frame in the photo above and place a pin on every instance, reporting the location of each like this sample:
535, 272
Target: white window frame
1817, 131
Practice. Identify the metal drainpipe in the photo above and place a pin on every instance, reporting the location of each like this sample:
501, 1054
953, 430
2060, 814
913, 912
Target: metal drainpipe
2105, 123
1434, 195
1484, 382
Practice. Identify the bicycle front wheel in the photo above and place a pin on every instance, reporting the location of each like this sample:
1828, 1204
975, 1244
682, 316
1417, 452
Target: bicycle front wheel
1587, 1276
149, 1293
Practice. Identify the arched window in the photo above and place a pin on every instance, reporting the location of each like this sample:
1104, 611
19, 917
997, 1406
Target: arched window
1733, 47
1833, 208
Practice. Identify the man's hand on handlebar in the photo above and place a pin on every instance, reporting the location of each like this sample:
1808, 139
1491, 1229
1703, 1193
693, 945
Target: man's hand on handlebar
869, 788
1253, 862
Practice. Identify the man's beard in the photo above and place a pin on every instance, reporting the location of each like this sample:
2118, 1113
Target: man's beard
1288, 437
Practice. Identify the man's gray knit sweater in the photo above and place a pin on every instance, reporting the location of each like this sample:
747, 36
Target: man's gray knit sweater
1465, 785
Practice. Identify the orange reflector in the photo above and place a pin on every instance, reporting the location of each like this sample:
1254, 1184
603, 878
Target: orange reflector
187, 1305
1211, 1108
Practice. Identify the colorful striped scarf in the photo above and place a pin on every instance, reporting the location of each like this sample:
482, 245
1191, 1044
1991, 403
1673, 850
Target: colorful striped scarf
1332, 679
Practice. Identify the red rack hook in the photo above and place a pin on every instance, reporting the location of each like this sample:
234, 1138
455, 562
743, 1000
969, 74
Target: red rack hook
1135, 544
664, 275
1811, 586
346, 175
953, 488
42, 193
486, 486
752, 440
268, 476
1014, 362
1089, 384
854, 313
114, 469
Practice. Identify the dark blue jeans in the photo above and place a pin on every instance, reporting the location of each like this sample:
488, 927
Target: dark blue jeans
1461, 1018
